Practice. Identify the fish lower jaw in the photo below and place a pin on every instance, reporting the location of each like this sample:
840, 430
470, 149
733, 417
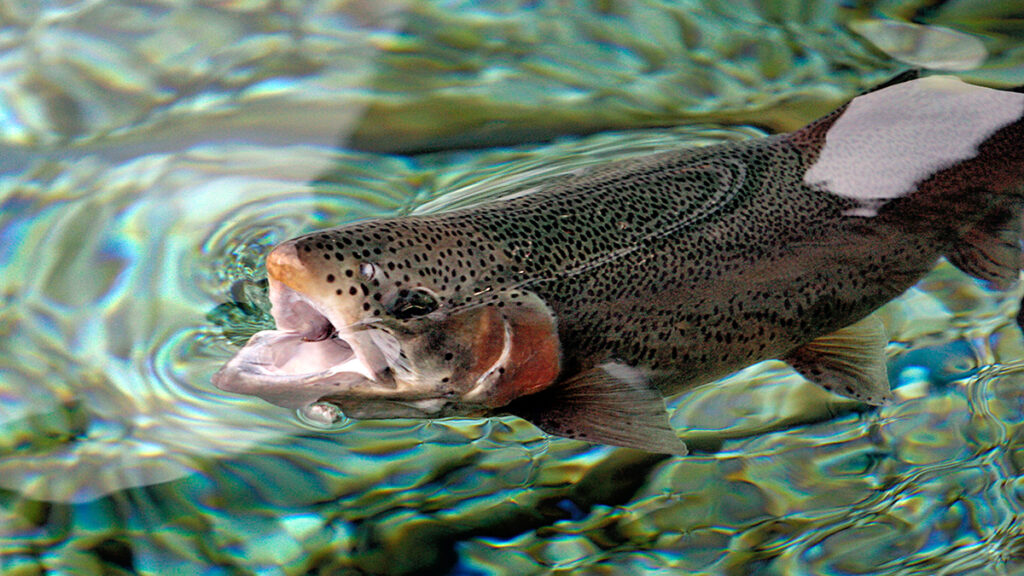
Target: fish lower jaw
301, 361
286, 369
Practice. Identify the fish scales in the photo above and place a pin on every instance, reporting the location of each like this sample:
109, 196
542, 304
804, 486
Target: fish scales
583, 303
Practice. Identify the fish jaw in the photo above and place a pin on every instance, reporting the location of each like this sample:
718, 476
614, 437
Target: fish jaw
286, 370
471, 360
303, 298
306, 357
301, 361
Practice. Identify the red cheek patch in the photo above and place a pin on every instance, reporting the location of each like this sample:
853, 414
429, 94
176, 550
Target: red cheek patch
516, 349
488, 340
535, 360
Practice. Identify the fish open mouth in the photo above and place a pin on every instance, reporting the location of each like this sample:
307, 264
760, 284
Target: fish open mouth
302, 361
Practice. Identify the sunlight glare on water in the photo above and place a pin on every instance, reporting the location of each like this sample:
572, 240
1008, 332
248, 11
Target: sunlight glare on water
152, 153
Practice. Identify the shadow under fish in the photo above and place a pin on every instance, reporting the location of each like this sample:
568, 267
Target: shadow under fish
582, 304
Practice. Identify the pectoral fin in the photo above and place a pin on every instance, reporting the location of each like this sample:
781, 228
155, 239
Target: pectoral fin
849, 362
609, 404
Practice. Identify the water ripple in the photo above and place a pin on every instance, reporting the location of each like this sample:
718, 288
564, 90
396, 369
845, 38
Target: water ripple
149, 165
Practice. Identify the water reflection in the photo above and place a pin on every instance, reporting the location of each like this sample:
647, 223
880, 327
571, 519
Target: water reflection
151, 154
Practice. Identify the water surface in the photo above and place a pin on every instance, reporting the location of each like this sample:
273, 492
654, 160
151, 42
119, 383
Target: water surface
151, 153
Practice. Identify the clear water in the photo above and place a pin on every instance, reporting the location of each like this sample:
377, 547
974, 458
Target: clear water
152, 152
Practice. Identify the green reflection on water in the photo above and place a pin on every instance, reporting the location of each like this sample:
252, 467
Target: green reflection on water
153, 152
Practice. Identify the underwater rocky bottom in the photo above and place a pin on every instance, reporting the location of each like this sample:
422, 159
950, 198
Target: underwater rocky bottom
784, 479
152, 152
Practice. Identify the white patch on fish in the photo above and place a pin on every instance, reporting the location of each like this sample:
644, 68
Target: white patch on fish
887, 142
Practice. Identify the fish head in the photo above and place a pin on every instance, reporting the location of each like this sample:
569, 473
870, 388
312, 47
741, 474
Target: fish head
387, 319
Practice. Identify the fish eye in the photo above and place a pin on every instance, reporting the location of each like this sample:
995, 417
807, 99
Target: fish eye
412, 303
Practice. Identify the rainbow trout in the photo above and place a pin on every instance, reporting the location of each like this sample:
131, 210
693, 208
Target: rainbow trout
581, 305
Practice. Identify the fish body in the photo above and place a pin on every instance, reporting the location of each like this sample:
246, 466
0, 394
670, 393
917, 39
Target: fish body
582, 304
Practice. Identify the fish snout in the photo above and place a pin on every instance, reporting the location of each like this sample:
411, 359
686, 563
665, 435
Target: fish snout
284, 265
